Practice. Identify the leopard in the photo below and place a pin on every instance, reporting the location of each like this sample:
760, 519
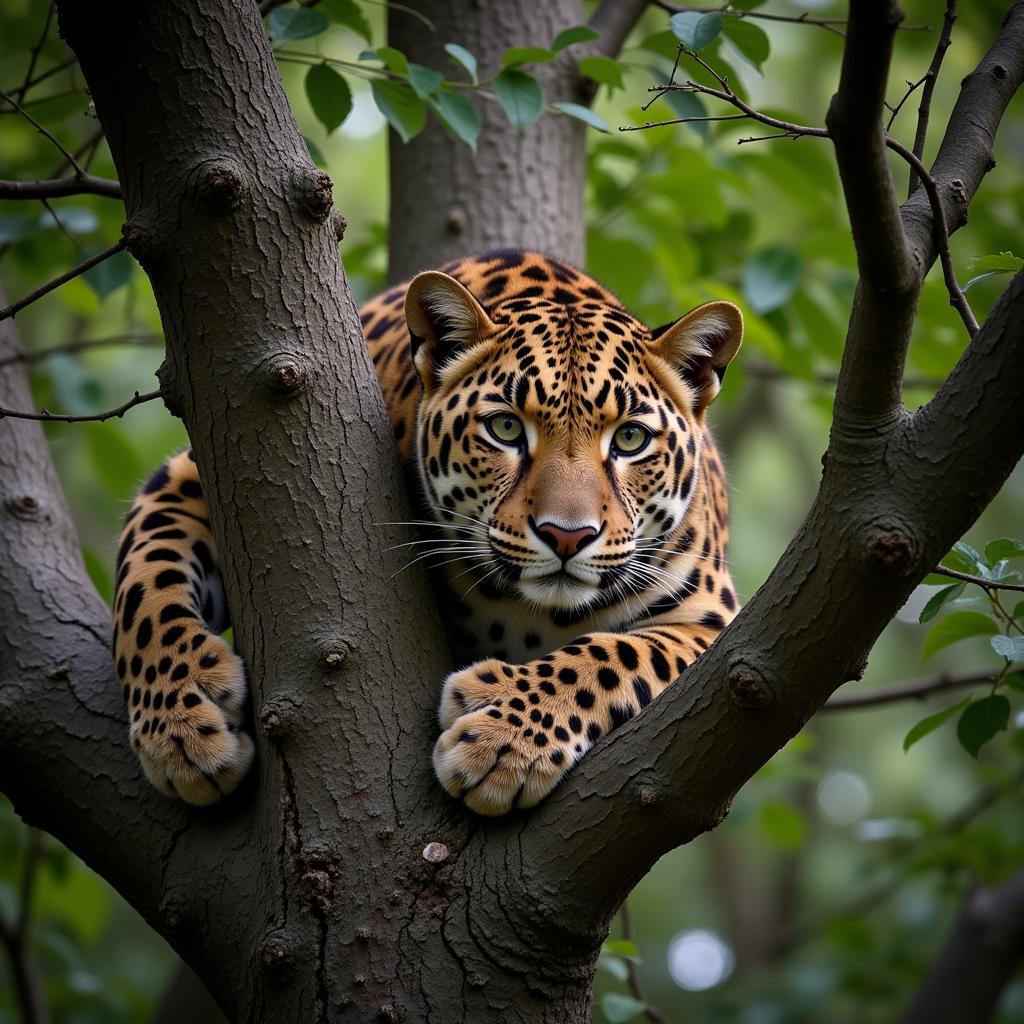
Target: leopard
574, 515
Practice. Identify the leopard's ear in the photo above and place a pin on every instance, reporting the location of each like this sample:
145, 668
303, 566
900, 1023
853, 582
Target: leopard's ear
701, 345
444, 319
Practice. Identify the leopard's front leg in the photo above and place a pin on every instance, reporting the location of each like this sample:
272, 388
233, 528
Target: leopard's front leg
512, 731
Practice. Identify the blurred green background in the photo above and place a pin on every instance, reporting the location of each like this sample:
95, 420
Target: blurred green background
827, 891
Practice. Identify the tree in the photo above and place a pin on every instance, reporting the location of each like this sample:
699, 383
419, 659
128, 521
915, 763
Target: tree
341, 880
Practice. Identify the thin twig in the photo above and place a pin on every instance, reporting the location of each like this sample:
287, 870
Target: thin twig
45, 289
46, 416
987, 585
931, 77
833, 25
55, 70
914, 689
54, 188
26, 84
651, 1012
912, 87
42, 131
83, 345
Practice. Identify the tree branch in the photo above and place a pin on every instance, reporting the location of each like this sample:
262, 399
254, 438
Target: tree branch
887, 275
955, 574
930, 78
45, 289
72, 185
977, 959
915, 689
45, 415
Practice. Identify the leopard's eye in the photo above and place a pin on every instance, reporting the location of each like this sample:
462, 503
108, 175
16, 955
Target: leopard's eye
506, 428
630, 438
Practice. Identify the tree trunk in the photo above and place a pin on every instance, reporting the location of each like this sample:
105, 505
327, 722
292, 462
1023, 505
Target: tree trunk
520, 189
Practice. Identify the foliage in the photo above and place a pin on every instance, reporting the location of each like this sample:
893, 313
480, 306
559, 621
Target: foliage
678, 215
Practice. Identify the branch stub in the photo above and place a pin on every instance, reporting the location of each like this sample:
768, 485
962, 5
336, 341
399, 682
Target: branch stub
220, 187
890, 548
749, 687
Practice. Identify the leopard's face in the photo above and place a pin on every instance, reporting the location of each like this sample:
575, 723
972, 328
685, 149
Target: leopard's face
559, 442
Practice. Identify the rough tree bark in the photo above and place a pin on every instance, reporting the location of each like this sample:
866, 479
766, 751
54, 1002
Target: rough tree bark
313, 894
520, 188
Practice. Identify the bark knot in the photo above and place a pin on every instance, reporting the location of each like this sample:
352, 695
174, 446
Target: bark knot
220, 187
316, 194
25, 507
285, 376
749, 687
276, 956
890, 548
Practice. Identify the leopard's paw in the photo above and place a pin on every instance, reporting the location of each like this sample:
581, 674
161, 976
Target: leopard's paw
495, 765
186, 720
478, 686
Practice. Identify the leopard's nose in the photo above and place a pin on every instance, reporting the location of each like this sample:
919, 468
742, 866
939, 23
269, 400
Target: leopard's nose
565, 542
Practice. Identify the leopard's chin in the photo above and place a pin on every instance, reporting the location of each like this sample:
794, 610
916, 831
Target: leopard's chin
559, 591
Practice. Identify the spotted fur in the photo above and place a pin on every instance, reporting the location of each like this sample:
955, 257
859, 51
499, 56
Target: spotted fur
580, 575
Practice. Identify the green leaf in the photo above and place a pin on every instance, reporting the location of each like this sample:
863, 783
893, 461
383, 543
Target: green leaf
621, 947
404, 110
618, 1008
286, 24
938, 599
520, 96
463, 58
424, 81
394, 60
14, 229
1003, 549
695, 30
964, 558
981, 721
748, 40
955, 627
771, 278
329, 96
783, 824
315, 152
614, 965
111, 274
459, 115
1006, 262
604, 70
579, 34
584, 114
516, 55
349, 14
930, 723
1011, 647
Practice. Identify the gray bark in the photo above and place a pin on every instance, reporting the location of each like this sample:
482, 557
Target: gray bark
306, 896
444, 201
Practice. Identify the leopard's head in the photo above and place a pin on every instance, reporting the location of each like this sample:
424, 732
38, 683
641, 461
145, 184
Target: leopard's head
558, 442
